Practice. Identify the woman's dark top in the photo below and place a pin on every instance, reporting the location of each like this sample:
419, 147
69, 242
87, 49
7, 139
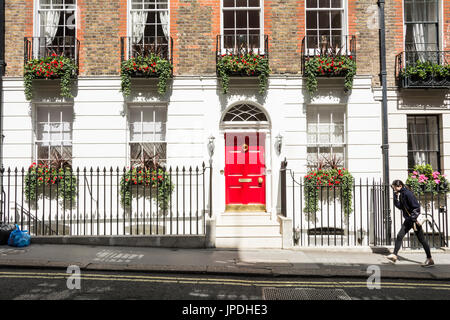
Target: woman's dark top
407, 202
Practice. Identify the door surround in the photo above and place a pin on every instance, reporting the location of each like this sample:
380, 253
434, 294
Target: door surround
242, 127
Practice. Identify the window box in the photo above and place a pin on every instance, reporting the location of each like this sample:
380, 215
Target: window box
242, 59
148, 58
58, 61
333, 56
423, 69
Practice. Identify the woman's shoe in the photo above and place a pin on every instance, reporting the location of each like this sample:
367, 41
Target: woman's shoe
392, 257
428, 263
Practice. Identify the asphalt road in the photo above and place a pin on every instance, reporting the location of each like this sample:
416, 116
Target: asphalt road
41, 284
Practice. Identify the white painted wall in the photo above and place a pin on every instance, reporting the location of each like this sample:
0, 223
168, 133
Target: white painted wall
195, 106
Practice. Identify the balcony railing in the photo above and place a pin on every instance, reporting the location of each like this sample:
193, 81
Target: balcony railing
41, 47
238, 45
423, 69
132, 47
327, 46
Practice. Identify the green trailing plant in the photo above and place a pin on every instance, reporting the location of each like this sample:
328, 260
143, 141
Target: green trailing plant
325, 185
423, 179
156, 179
249, 64
329, 66
151, 66
52, 67
40, 178
425, 69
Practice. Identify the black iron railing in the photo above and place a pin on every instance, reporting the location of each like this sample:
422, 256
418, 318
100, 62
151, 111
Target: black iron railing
41, 47
423, 69
98, 204
368, 218
328, 46
239, 45
131, 47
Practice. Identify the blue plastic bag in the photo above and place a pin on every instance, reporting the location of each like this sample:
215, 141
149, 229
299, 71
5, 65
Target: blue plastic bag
19, 238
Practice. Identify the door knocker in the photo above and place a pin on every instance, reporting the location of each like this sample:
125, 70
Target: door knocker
244, 147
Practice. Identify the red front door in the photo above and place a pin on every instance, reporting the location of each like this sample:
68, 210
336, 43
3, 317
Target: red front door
245, 176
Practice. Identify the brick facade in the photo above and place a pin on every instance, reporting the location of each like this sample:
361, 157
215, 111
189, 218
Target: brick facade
18, 24
284, 23
446, 25
194, 25
99, 30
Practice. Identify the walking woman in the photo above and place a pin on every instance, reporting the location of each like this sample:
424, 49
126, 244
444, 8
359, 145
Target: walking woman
405, 200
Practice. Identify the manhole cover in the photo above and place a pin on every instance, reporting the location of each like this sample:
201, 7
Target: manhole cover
4, 252
304, 294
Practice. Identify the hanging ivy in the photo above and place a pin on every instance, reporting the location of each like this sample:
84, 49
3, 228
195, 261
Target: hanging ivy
156, 179
325, 185
148, 67
40, 178
52, 67
425, 69
250, 64
330, 66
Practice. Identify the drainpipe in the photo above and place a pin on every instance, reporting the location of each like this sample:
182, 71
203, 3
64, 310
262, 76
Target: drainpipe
2, 71
385, 145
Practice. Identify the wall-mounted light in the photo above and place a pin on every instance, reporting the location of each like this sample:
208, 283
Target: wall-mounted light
211, 146
278, 143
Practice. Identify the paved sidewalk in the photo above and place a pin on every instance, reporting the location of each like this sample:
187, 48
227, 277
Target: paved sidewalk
331, 262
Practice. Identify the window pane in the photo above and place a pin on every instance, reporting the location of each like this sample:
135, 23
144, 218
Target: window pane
311, 156
241, 3
253, 3
336, 22
336, 3
241, 19
311, 3
433, 160
253, 19
324, 152
324, 3
311, 19
228, 3
228, 19
337, 133
432, 11
324, 20
42, 151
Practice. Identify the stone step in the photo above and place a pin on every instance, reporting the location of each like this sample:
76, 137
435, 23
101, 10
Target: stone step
260, 230
245, 219
249, 242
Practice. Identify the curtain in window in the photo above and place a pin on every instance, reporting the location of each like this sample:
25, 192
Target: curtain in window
420, 157
138, 19
418, 29
50, 21
164, 17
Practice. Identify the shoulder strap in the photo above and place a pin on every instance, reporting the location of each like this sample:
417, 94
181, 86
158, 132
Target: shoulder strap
404, 206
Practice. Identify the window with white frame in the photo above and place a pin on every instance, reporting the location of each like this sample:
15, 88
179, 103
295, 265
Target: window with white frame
147, 135
242, 23
57, 25
325, 21
423, 141
149, 25
422, 25
54, 135
326, 134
